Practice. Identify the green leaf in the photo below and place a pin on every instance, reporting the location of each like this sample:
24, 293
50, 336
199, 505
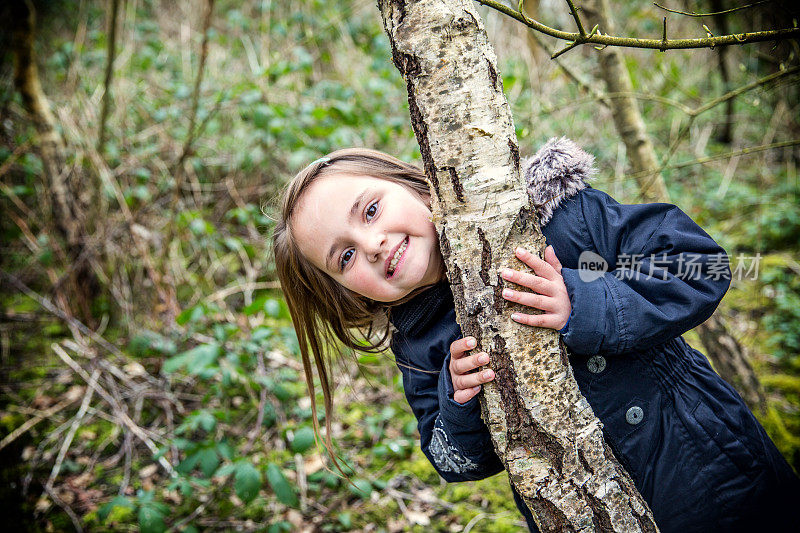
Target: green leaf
225, 450
261, 333
280, 527
192, 314
281, 487
206, 420
196, 360
151, 520
345, 519
225, 470
208, 461
119, 501
360, 487
246, 481
272, 307
303, 439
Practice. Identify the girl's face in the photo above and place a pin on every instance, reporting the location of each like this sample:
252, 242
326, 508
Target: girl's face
373, 236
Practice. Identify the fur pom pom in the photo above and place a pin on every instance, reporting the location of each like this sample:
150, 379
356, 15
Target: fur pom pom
558, 170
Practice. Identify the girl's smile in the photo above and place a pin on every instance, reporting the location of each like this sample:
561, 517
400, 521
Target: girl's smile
373, 236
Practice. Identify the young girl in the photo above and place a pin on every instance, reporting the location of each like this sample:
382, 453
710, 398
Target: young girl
358, 257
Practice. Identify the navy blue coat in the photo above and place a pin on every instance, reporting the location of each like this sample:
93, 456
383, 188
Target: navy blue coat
694, 450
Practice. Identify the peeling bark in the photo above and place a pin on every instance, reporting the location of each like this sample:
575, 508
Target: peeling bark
543, 429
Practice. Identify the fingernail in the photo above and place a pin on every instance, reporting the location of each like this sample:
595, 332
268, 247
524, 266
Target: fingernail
514, 316
476, 388
483, 359
488, 374
505, 273
507, 293
471, 343
520, 250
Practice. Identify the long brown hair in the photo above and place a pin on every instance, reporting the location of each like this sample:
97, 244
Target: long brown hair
323, 310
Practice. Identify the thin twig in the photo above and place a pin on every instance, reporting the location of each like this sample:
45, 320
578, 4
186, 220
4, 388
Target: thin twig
633, 42
571, 75
241, 287
574, 11
118, 411
696, 14
111, 53
76, 422
66, 508
21, 430
726, 155
262, 404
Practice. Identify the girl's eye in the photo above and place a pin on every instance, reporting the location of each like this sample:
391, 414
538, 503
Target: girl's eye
346, 257
372, 210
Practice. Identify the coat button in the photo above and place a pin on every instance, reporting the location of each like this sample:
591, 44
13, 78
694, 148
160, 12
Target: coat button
596, 364
634, 415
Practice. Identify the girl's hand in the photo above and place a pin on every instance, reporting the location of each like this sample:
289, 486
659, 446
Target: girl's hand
549, 292
467, 382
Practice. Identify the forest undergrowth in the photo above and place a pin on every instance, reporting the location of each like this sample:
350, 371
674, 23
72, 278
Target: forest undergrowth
178, 402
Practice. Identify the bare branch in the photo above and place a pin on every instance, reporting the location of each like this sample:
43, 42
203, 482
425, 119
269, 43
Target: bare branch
111, 53
577, 17
633, 42
696, 14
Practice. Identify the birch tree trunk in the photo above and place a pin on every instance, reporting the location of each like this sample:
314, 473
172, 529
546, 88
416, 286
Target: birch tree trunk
726, 354
543, 429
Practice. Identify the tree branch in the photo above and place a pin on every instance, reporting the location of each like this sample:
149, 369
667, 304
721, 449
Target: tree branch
112, 43
633, 42
695, 14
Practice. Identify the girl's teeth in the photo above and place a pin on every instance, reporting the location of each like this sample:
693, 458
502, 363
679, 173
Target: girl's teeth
397, 255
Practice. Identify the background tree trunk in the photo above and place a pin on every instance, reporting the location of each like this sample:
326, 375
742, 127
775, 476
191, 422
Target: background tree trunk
543, 429
66, 198
727, 355
627, 118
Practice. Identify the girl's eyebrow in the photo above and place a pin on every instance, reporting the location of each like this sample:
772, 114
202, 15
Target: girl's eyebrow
353, 212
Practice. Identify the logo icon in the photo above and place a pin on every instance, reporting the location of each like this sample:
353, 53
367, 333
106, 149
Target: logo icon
591, 266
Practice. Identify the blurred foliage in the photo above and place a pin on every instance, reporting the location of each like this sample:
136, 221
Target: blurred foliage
221, 388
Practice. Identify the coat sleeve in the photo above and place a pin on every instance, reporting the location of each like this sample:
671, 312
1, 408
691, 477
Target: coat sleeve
659, 275
453, 436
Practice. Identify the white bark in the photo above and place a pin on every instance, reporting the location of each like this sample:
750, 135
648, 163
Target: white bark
543, 429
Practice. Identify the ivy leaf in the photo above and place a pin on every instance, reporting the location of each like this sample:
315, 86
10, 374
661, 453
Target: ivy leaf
246, 481
209, 461
303, 439
151, 520
361, 488
280, 485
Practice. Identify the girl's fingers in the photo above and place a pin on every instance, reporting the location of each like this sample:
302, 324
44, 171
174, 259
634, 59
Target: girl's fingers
529, 281
544, 320
459, 347
540, 266
468, 364
468, 381
551, 259
537, 301
463, 396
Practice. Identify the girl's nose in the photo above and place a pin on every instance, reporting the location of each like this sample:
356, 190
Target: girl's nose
375, 245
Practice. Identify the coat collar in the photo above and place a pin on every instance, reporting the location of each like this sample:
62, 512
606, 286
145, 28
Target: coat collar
410, 317
559, 169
